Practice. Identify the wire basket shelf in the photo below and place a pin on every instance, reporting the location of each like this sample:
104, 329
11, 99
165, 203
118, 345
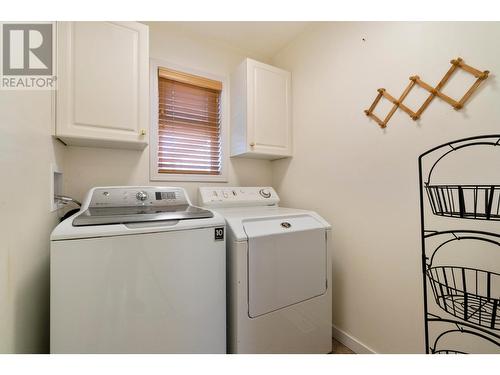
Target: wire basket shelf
469, 294
448, 352
480, 202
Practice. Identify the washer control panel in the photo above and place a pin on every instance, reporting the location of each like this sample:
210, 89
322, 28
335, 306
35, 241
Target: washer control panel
237, 196
117, 196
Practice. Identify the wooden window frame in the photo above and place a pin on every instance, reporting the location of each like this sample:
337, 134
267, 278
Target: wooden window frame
156, 64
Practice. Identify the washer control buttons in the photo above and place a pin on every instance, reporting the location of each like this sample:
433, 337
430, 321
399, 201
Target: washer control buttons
265, 193
141, 196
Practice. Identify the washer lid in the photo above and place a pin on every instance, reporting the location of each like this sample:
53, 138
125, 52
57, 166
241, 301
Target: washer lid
138, 214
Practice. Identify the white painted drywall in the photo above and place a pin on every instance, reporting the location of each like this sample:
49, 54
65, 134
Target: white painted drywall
87, 167
26, 153
364, 180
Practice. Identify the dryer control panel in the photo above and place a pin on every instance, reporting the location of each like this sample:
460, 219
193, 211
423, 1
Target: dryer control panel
237, 196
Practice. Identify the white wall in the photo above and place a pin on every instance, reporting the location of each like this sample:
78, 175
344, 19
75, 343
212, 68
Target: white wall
88, 167
27, 151
364, 180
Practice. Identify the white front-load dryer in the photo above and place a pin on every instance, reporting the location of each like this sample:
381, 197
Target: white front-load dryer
138, 270
278, 273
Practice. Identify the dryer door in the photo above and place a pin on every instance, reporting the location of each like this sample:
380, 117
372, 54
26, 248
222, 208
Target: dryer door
286, 262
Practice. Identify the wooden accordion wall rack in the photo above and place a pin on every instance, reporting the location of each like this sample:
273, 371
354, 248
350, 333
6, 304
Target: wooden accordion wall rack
433, 92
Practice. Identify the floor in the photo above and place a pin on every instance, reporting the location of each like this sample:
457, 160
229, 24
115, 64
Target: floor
339, 348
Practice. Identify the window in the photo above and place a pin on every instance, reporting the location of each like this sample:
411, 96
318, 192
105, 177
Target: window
188, 136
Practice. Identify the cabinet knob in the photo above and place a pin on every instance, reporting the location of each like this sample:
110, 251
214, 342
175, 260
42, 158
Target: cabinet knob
143, 132
252, 144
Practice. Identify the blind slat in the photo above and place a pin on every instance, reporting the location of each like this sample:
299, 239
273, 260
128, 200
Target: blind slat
189, 102
189, 136
165, 141
169, 156
200, 132
189, 124
214, 112
182, 148
171, 97
187, 164
186, 119
203, 117
186, 147
172, 156
188, 171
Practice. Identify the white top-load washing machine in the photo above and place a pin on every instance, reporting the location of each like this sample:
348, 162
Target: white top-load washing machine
138, 270
278, 272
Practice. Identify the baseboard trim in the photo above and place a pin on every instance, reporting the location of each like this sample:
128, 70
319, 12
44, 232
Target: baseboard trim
351, 342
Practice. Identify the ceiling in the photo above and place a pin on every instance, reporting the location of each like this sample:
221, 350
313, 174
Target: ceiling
262, 39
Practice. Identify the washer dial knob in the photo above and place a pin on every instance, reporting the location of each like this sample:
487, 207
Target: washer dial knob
141, 196
265, 193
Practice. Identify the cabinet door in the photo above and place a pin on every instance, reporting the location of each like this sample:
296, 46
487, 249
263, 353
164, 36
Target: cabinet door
103, 93
269, 114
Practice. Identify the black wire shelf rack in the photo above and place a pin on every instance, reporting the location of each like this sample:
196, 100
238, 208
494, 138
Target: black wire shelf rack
457, 293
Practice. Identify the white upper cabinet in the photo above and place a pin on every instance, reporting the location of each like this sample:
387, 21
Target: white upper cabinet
261, 123
103, 84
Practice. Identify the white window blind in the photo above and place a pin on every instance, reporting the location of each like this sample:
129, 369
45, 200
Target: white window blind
189, 139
